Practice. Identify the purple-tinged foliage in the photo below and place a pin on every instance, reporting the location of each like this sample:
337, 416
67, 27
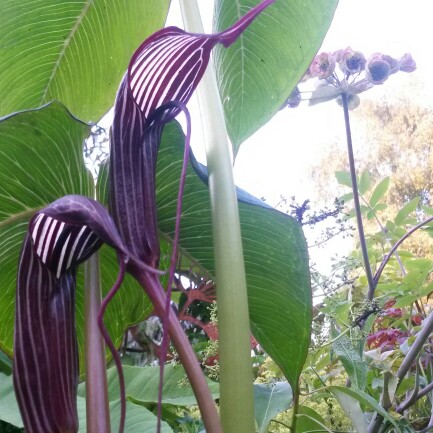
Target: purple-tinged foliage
357, 75
162, 75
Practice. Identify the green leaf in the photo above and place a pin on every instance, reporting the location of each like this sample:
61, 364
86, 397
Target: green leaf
379, 207
75, 52
142, 385
310, 421
352, 362
5, 364
346, 197
363, 398
269, 400
42, 161
9, 411
406, 210
343, 178
379, 191
138, 418
276, 258
364, 182
353, 410
258, 73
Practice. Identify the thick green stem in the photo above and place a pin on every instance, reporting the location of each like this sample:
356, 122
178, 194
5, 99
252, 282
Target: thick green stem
362, 241
295, 409
236, 389
97, 411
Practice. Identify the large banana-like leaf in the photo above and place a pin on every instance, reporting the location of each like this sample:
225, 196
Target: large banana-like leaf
73, 51
41, 160
258, 73
275, 251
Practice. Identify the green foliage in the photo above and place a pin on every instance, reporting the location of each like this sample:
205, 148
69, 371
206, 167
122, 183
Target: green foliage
310, 420
42, 161
371, 357
74, 52
5, 364
139, 420
268, 276
405, 211
270, 399
142, 385
346, 396
276, 265
343, 178
354, 365
379, 191
364, 182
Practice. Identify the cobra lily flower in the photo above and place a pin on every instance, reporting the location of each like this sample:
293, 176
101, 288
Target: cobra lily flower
60, 237
161, 77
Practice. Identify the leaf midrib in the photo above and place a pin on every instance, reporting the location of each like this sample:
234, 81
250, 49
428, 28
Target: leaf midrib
65, 47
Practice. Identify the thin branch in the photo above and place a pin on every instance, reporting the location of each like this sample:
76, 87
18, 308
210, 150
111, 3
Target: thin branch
413, 397
357, 205
97, 410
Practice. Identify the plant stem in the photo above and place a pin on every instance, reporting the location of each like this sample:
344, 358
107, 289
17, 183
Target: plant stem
361, 233
416, 347
236, 388
295, 409
186, 353
97, 411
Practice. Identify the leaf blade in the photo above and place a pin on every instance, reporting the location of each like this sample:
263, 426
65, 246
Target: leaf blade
379, 191
41, 161
49, 46
250, 97
269, 400
276, 258
355, 367
364, 398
